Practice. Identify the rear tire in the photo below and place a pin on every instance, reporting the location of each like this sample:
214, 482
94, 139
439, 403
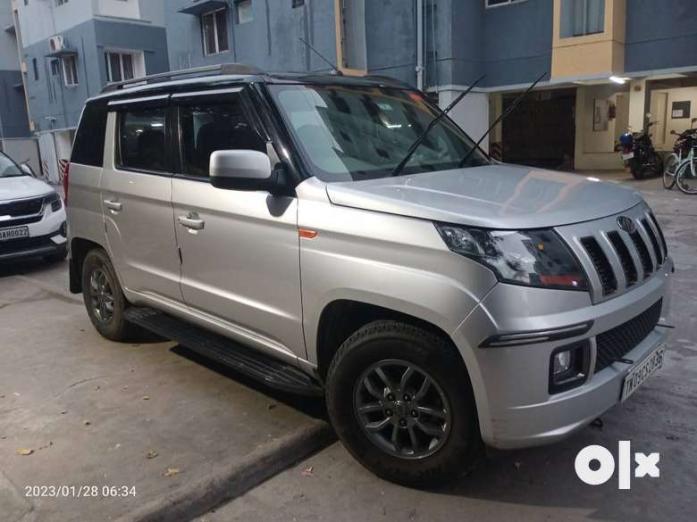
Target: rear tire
104, 298
432, 445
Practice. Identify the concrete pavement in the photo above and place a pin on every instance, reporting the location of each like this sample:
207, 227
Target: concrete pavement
535, 484
182, 434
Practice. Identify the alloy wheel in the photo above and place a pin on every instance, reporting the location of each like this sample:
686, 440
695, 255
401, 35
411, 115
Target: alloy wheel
402, 410
101, 295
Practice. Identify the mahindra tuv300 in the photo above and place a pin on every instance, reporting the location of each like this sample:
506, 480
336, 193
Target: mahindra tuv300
452, 302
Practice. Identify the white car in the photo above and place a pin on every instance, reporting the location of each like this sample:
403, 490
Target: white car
32, 215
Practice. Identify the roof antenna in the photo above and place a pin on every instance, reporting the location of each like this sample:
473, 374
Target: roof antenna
410, 152
503, 115
335, 69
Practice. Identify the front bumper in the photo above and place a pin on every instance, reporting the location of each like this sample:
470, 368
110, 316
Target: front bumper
46, 237
511, 383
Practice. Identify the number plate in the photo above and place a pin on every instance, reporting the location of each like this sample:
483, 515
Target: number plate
14, 233
628, 156
643, 371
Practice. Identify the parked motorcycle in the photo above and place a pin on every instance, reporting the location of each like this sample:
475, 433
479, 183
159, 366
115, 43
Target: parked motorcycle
637, 151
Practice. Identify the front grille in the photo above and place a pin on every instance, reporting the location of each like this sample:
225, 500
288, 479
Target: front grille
644, 255
601, 264
654, 241
630, 272
660, 232
24, 207
21, 221
619, 257
616, 343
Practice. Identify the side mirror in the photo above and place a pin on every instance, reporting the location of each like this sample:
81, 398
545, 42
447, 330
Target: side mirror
26, 168
241, 170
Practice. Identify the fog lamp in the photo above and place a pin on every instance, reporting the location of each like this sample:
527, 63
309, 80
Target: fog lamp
569, 366
562, 362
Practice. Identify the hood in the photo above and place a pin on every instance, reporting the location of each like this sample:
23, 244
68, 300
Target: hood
22, 187
491, 196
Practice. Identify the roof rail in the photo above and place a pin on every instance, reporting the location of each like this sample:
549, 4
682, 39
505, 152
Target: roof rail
225, 68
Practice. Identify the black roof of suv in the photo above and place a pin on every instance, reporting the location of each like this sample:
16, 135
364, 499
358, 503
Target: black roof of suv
225, 74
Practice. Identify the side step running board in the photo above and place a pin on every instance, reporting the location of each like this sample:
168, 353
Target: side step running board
271, 371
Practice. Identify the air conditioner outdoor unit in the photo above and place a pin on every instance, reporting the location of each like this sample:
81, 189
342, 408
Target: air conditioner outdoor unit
56, 43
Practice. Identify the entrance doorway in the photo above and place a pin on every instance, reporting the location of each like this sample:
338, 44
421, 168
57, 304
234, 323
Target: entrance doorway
540, 132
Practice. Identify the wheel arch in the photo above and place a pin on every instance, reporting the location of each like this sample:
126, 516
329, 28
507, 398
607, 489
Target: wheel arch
79, 248
342, 317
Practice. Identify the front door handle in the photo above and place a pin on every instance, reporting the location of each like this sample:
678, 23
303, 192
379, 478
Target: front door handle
192, 222
112, 205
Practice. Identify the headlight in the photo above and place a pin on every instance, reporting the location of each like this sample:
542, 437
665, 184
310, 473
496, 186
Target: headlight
531, 257
54, 200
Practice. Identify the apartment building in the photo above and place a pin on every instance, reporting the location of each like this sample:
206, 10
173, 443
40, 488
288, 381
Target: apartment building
13, 113
70, 49
606, 63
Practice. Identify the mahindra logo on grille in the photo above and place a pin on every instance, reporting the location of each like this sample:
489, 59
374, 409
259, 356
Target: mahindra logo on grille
626, 224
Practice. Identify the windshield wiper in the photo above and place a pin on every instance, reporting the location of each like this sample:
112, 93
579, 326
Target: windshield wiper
433, 123
505, 113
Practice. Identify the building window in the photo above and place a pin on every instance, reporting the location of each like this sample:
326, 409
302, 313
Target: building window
121, 66
497, 3
214, 30
35, 66
582, 17
61, 2
70, 70
243, 11
298, 3
55, 67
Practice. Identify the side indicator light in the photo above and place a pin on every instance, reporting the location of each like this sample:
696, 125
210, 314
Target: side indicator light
306, 233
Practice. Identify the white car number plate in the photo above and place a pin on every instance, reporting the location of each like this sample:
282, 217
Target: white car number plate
13, 233
643, 371
627, 156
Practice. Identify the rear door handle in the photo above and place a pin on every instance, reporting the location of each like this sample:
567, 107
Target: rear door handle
112, 205
192, 222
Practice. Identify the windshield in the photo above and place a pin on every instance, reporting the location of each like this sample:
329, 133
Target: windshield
352, 133
9, 168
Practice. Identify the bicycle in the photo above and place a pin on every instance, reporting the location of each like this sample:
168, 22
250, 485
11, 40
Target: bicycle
684, 142
686, 173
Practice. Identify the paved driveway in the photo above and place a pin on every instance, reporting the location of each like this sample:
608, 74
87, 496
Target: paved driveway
165, 429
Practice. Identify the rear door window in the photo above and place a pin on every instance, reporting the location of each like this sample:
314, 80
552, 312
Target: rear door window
88, 148
142, 139
208, 126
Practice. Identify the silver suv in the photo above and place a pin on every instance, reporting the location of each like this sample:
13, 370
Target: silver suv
263, 221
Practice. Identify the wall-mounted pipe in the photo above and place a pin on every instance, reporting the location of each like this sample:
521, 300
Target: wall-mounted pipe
420, 44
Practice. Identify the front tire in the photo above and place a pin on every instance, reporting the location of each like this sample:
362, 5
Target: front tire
104, 298
401, 401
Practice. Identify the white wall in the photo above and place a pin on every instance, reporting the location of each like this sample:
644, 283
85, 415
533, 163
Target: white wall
119, 8
41, 19
21, 150
594, 150
472, 113
675, 124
